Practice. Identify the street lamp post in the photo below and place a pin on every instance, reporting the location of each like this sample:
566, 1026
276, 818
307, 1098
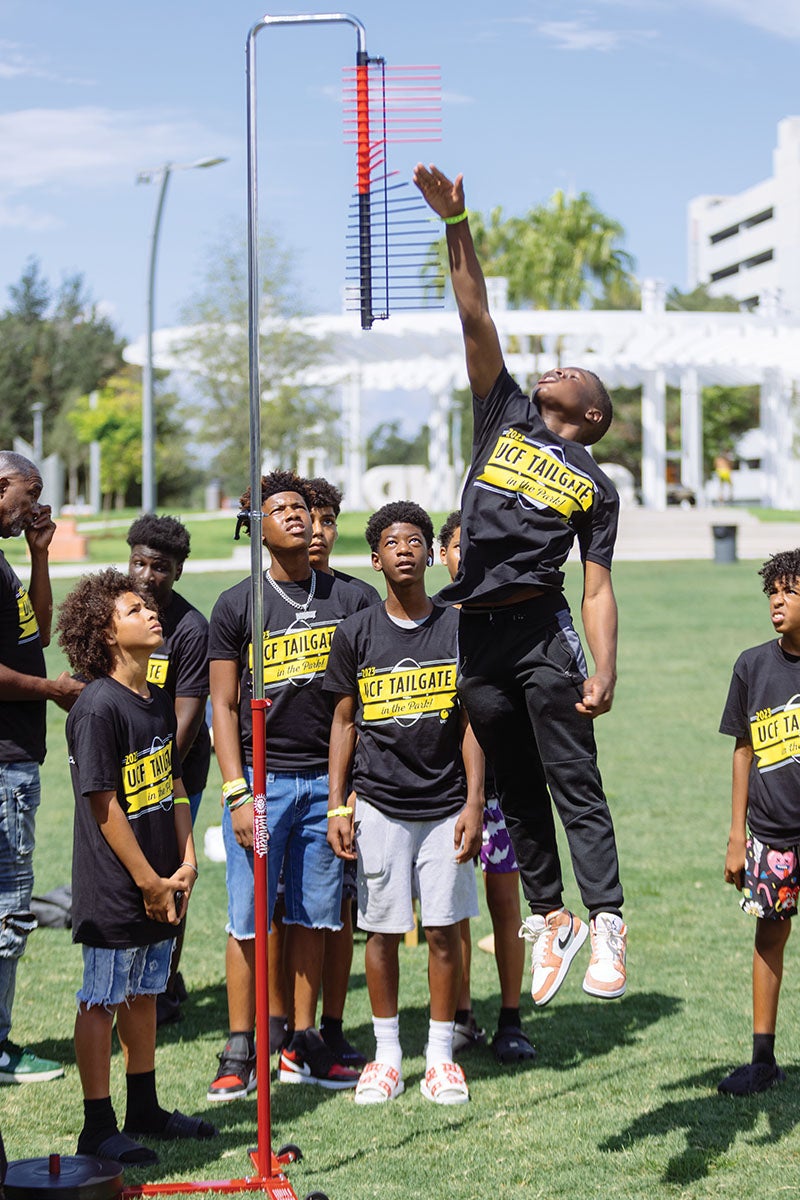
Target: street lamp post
161, 173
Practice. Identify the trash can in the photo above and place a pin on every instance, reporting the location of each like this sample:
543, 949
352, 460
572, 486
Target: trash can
724, 543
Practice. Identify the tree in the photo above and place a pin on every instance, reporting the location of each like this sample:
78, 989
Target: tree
115, 421
562, 254
387, 446
216, 353
52, 349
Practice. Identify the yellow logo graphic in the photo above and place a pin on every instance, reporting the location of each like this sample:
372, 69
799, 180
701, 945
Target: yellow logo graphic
537, 474
157, 668
147, 778
28, 625
776, 735
296, 655
407, 692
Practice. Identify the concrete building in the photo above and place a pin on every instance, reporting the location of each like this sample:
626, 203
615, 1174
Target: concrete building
748, 245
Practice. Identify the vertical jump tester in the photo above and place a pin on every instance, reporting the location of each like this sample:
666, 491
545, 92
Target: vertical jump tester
388, 243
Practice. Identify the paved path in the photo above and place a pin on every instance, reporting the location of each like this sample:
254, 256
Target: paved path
644, 535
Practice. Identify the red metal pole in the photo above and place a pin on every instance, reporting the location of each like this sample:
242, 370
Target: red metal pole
263, 1160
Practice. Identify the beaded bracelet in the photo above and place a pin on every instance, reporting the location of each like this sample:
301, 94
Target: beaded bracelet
462, 216
341, 811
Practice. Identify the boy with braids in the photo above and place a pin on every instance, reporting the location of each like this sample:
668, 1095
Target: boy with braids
302, 607
532, 490
762, 713
134, 864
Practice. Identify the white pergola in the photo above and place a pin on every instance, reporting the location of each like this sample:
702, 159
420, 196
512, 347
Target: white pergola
648, 347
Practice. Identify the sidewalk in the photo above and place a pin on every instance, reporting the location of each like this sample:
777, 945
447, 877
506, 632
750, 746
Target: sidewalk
644, 536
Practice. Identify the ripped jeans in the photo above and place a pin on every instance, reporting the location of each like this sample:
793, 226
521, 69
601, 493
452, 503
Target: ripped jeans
19, 800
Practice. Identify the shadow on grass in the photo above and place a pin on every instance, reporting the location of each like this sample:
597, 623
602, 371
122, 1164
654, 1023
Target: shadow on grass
711, 1123
566, 1035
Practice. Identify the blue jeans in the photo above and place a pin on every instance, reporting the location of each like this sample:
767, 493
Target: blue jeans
19, 799
297, 806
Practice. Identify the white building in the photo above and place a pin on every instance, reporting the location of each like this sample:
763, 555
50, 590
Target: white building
748, 245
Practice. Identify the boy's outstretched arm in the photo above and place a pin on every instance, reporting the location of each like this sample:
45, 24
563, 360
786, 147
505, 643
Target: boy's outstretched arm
599, 616
737, 838
481, 342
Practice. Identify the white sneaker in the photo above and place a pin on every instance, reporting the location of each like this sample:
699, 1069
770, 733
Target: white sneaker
605, 976
555, 940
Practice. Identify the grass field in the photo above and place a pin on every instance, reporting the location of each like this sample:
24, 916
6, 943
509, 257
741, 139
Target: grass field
622, 1101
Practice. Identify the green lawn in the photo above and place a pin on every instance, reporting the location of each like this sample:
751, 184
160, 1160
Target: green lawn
622, 1101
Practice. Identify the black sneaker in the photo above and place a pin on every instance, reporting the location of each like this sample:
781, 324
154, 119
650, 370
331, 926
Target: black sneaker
343, 1051
467, 1035
751, 1078
236, 1076
308, 1060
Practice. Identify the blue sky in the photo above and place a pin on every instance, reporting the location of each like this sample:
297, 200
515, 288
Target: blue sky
643, 103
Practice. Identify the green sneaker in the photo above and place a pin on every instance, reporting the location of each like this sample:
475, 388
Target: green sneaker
18, 1065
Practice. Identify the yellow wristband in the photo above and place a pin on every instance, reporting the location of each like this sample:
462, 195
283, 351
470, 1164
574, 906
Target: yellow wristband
341, 811
455, 220
234, 787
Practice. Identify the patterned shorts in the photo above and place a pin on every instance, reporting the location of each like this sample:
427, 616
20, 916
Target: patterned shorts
771, 880
496, 853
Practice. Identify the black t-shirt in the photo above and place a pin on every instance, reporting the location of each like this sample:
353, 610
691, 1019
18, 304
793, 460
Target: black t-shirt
408, 758
120, 742
296, 648
764, 705
22, 722
528, 495
372, 593
181, 668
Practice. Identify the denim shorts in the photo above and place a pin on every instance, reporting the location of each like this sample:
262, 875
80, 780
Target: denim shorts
297, 821
113, 976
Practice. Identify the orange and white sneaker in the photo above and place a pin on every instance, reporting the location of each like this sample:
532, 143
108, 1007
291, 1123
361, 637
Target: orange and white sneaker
605, 976
555, 940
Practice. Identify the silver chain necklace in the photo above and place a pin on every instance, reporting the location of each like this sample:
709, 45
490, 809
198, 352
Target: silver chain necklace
293, 603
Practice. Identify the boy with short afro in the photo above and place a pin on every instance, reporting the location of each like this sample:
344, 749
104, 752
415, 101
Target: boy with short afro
134, 863
761, 712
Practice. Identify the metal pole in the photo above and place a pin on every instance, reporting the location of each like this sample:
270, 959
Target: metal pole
148, 421
263, 1157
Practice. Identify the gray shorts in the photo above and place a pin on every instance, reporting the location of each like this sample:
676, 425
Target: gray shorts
398, 860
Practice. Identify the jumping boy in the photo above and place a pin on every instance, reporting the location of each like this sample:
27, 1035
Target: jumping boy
761, 713
501, 877
392, 670
532, 489
134, 864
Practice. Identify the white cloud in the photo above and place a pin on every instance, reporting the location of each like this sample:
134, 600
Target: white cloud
579, 34
92, 147
781, 17
21, 216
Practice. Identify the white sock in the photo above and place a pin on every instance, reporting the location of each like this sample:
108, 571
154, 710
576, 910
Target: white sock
387, 1042
440, 1043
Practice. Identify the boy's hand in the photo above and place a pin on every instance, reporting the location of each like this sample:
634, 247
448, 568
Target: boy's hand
242, 822
183, 880
598, 695
442, 195
341, 837
159, 900
468, 833
734, 862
